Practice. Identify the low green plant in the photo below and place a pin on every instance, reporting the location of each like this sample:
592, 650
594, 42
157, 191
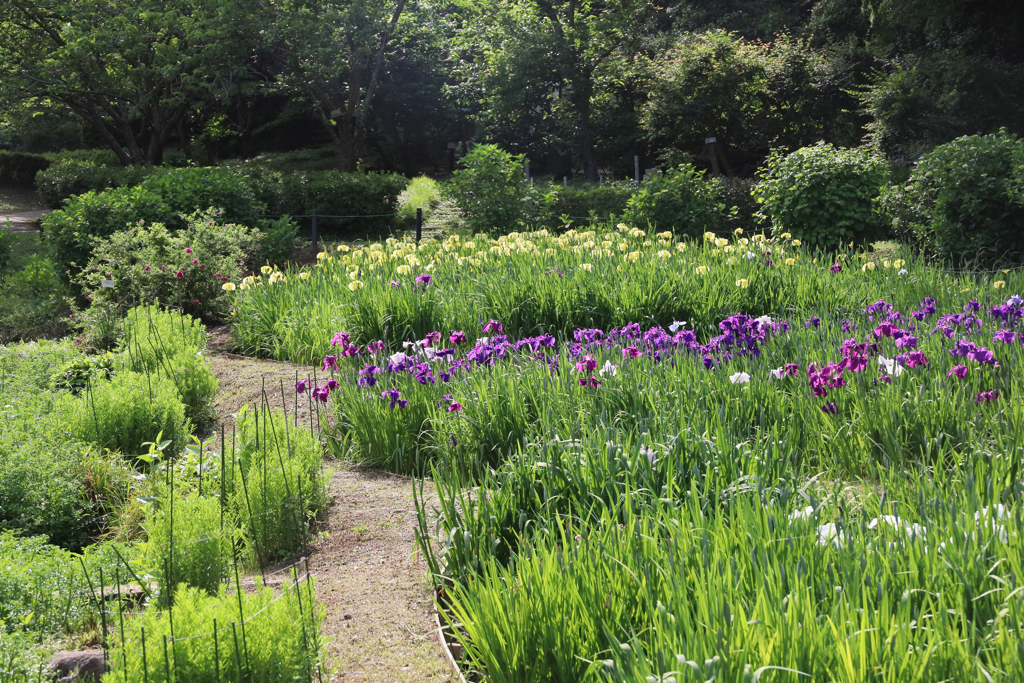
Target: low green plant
124, 413
491, 190
78, 374
170, 344
822, 195
583, 207
680, 200
279, 487
423, 193
277, 242
259, 637
964, 201
33, 302
41, 586
194, 551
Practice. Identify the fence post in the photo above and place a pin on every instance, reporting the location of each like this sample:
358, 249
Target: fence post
419, 224
313, 216
636, 169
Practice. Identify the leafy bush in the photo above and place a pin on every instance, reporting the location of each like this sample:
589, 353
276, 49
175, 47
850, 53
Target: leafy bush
196, 551
282, 486
72, 229
148, 264
190, 190
21, 168
126, 412
281, 638
823, 196
33, 302
170, 344
74, 176
277, 241
579, 204
78, 374
679, 199
41, 586
965, 201
491, 191
6, 247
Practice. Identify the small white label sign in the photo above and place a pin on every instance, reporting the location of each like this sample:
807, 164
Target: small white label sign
107, 283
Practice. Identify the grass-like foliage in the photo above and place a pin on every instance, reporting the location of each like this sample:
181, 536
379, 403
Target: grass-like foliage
124, 413
195, 550
282, 489
279, 639
169, 344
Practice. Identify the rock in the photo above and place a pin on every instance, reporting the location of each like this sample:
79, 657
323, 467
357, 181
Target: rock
79, 665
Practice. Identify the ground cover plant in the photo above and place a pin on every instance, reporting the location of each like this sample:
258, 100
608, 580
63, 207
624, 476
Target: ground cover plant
777, 464
102, 455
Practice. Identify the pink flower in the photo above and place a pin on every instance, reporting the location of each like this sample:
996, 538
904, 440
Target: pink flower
179, 275
188, 250
195, 262
455, 407
146, 269
195, 302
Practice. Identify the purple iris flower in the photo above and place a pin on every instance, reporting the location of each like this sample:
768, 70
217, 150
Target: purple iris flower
813, 322
587, 365
300, 387
628, 352
591, 382
455, 407
986, 396
330, 363
1005, 336
323, 393
457, 338
982, 355
368, 376
829, 408
375, 346
395, 397
423, 279
972, 305
493, 327
836, 268
332, 384
959, 371
906, 342
396, 284
340, 339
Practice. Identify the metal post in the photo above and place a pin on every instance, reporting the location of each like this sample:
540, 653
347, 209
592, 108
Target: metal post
451, 157
636, 169
565, 181
419, 224
526, 166
315, 240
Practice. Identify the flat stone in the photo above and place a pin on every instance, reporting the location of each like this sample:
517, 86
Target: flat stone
79, 665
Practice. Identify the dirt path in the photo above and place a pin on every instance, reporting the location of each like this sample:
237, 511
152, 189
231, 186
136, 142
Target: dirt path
370, 580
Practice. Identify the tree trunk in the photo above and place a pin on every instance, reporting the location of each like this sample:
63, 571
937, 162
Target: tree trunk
589, 156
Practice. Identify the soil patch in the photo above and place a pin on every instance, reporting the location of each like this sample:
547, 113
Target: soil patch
371, 580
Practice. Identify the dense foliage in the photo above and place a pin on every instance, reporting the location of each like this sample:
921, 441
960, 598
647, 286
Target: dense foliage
964, 201
680, 200
823, 196
491, 190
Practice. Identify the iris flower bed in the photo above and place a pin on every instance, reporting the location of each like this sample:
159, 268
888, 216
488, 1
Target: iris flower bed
782, 467
537, 283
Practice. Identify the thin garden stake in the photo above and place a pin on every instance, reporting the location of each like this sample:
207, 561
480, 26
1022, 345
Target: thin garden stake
296, 398
216, 651
252, 526
222, 475
120, 617
92, 403
103, 617
145, 664
263, 453
302, 615
241, 614
200, 470
284, 474
312, 619
238, 661
167, 662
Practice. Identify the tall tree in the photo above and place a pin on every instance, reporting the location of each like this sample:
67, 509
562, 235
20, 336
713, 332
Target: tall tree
132, 69
535, 59
335, 55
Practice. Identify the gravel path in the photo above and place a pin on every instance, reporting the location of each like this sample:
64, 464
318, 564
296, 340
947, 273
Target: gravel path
370, 578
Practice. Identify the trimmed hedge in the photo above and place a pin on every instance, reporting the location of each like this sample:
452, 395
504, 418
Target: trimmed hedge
581, 203
73, 177
21, 168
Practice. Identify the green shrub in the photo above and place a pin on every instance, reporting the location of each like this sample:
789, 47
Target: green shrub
344, 194
72, 229
6, 247
78, 374
22, 658
282, 489
421, 193
74, 176
169, 344
281, 638
190, 190
41, 586
196, 552
21, 168
679, 199
149, 263
579, 204
491, 190
822, 196
33, 302
277, 241
126, 412
965, 201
